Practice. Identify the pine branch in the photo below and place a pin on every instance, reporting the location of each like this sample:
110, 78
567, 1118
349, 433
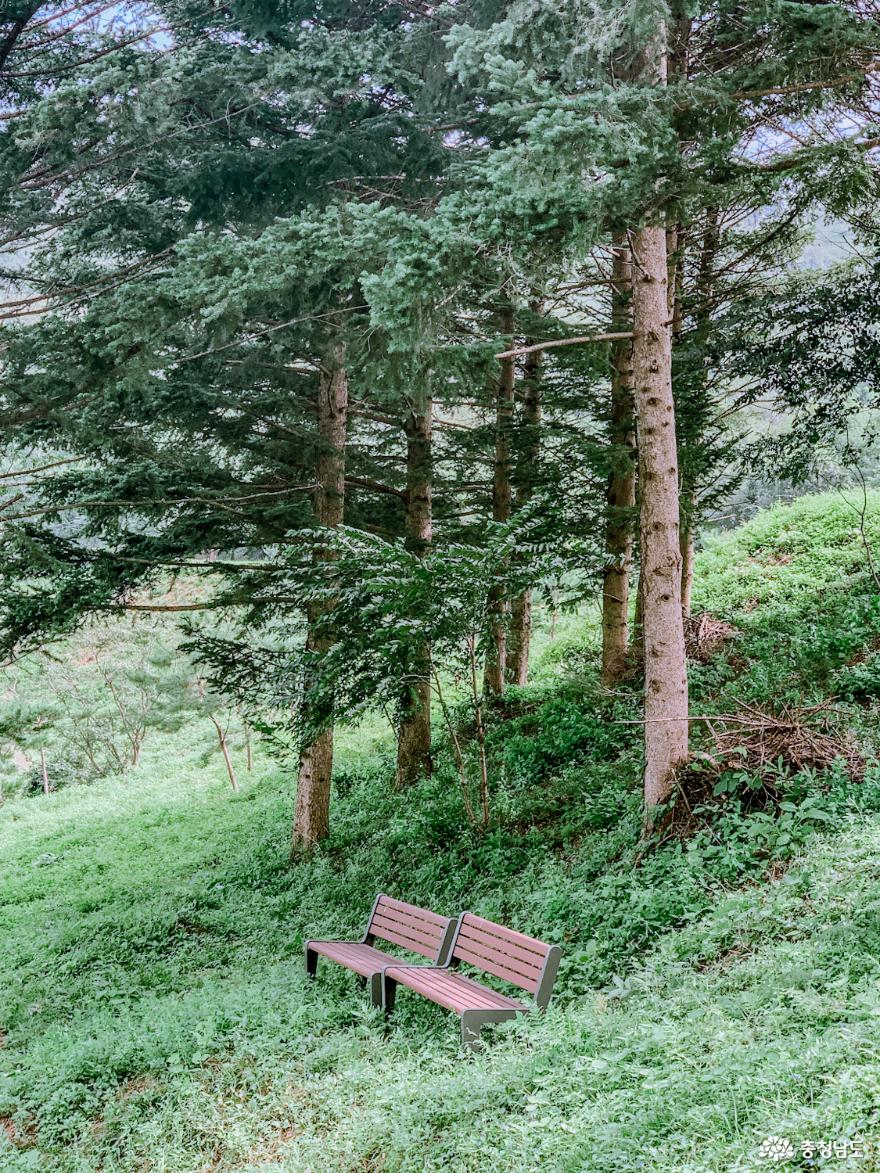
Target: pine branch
618, 336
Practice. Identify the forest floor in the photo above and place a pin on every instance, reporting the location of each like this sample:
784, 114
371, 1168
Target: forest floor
718, 989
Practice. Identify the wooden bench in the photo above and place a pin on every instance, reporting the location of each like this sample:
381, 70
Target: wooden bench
415, 929
523, 961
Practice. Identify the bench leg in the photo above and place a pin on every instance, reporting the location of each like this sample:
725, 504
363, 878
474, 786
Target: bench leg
389, 992
472, 1022
470, 1031
376, 989
311, 962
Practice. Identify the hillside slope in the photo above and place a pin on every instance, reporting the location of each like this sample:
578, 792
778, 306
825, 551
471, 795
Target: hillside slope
716, 990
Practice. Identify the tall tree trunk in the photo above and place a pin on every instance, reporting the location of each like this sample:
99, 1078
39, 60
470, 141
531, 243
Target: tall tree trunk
675, 252
414, 732
502, 497
520, 634
44, 769
311, 820
666, 686
687, 553
699, 400
622, 480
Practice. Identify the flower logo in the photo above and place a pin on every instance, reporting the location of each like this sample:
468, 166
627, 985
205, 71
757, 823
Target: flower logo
776, 1148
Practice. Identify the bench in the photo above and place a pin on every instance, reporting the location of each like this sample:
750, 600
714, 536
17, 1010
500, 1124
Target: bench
523, 961
415, 929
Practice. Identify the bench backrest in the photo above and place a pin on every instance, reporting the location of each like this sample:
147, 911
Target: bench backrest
521, 960
416, 929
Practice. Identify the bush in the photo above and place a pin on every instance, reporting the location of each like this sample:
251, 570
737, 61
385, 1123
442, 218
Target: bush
860, 683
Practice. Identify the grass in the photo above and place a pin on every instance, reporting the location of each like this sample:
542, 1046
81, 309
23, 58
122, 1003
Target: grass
152, 1002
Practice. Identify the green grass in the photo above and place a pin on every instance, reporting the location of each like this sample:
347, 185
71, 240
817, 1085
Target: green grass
152, 1002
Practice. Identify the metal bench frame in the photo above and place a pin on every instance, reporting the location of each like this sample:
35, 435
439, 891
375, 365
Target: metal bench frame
472, 1021
369, 937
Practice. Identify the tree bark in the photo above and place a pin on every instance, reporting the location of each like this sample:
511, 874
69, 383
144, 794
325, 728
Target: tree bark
687, 554
224, 749
666, 686
502, 498
705, 281
520, 635
248, 747
311, 820
414, 731
16, 29
622, 480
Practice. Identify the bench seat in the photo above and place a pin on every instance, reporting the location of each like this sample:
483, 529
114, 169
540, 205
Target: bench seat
452, 990
355, 955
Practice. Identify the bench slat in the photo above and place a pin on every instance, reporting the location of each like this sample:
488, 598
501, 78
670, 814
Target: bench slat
404, 938
425, 914
509, 936
498, 968
411, 920
503, 952
522, 958
417, 929
412, 928
362, 959
451, 990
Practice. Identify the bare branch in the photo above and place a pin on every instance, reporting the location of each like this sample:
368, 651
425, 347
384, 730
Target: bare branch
619, 336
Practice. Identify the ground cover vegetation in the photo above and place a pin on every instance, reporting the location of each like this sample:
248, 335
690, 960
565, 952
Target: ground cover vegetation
716, 988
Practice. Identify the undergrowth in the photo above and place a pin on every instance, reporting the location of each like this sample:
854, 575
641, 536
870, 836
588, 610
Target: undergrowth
716, 988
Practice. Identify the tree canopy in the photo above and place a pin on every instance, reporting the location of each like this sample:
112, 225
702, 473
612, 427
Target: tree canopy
372, 320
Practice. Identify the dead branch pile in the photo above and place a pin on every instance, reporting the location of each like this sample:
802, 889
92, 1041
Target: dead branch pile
705, 636
754, 740
800, 737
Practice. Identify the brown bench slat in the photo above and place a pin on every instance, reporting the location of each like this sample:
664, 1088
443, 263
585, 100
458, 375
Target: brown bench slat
363, 959
451, 990
406, 916
405, 940
524, 958
498, 968
492, 956
508, 936
406, 925
486, 945
459, 996
419, 930
413, 910
428, 943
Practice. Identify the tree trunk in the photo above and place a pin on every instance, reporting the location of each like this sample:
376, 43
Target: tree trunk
698, 406
311, 820
224, 749
414, 731
622, 480
248, 748
666, 687
45, 771
502, 497
687, 555
520, 635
